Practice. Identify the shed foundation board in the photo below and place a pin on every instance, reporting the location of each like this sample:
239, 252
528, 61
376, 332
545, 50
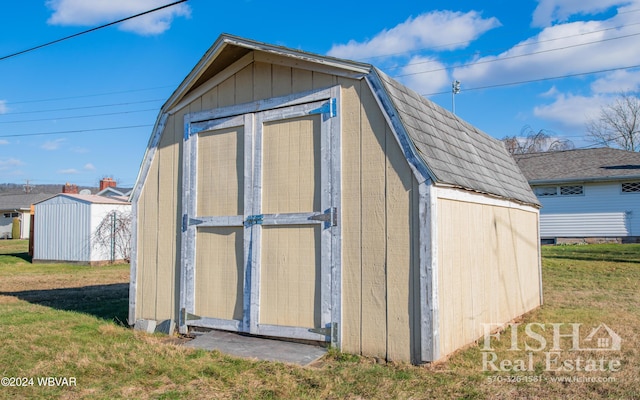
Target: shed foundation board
258, 348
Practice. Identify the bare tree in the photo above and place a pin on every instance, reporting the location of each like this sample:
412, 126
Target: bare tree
114, 235
618, 124
530, 141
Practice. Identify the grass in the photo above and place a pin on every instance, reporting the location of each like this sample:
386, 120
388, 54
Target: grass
66, 321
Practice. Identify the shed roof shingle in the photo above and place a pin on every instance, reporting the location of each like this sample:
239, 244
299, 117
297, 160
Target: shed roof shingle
455, 152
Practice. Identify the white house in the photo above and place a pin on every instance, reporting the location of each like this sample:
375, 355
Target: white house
587, 195
18, 206
66, 229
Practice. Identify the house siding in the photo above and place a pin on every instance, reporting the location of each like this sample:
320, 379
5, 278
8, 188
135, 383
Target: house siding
603, 211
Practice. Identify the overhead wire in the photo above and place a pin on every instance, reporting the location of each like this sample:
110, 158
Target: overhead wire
78, 116
90, 30
76, 131
516, 56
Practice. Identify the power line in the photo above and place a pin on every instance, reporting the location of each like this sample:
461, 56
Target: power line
91, 95
523, 45
90, 30
519, 45
77, 116
77, 131
537, 80
517, 56
83, 107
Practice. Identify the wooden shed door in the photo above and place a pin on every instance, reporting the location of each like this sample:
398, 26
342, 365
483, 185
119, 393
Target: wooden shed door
260, 223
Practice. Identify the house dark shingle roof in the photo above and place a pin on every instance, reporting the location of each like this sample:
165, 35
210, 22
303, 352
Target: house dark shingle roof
602, 164
455, 152
21, 201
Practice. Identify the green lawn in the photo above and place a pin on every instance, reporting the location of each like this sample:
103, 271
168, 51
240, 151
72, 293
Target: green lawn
65, 321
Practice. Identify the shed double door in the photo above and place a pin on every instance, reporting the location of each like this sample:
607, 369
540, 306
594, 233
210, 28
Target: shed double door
258, 223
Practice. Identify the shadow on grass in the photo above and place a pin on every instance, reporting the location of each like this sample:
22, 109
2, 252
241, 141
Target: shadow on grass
594, 257
21, 255
109, 302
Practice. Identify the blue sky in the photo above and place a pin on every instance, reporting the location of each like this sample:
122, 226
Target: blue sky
83, 109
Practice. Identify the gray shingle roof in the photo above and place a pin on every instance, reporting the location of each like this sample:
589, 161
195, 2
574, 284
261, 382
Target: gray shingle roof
580, 165
21, 201
455, 152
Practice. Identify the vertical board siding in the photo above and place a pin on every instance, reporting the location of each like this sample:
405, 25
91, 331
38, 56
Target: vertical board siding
220, 272
374, 243
167, 203
489, 273
379, 231
148, 265
221, 172
351, 217
291, 166
290, 276
400, 214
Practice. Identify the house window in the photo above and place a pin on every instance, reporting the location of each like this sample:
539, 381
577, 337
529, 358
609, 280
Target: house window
631, 187
571, 190
544, 191
11, 215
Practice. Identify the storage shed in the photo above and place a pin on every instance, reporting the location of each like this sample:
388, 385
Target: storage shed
66, 229
292, 195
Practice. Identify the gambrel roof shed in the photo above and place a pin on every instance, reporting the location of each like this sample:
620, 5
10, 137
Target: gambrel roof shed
294, 195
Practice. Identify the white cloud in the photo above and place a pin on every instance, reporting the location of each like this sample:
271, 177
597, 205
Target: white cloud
89, 167
425, 83
550, 11
555, 52
617, 81
69, 171
8, 163
52, 145
86, 13
570, 110
3, 142
3, 107
423, 31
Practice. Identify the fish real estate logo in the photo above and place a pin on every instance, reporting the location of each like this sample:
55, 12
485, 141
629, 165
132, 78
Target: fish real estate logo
567, 351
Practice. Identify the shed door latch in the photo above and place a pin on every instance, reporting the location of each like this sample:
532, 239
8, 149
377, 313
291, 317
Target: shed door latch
329, 217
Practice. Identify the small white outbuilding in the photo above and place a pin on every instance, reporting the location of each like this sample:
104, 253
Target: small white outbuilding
67, 229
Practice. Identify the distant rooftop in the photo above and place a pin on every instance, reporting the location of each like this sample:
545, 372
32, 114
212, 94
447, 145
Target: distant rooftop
602, 164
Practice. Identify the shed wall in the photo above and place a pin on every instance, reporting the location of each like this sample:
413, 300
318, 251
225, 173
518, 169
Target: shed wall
62, 231
380, 233
379, 213
488, 268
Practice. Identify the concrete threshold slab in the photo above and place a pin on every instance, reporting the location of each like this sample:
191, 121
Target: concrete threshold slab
257, 348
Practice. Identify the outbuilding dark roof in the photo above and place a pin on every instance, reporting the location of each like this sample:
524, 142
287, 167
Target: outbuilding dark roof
602, 164
455, 152
21, 201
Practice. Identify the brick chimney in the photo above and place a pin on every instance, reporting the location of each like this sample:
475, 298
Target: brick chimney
107, 182
69, 188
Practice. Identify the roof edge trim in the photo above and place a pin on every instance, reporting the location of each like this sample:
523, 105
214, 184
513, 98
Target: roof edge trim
356, 68
618, 178
419, 167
